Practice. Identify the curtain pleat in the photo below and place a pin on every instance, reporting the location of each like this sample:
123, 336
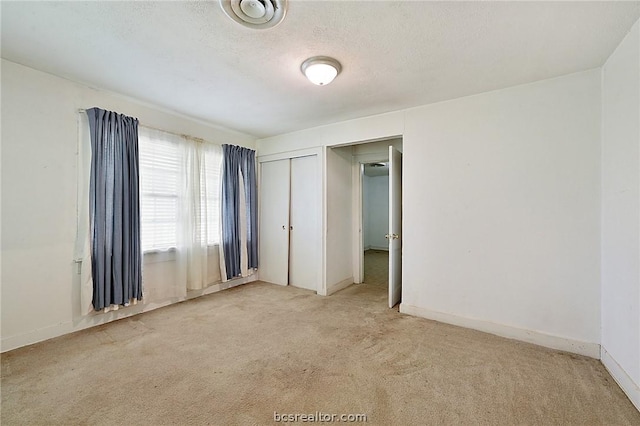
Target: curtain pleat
248, 170
114, 209
193, 226
238, 161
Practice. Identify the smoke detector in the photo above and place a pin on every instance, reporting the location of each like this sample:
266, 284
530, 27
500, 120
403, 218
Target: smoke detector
256, 14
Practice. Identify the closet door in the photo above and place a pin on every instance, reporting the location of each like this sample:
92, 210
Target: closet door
274, 221
304, 213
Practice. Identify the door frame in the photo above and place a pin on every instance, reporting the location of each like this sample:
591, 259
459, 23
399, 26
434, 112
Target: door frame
321, 199
359, 161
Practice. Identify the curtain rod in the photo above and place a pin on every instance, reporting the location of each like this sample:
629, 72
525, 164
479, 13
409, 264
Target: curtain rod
81, 110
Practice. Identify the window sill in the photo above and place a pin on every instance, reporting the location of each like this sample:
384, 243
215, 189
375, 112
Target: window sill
169, 255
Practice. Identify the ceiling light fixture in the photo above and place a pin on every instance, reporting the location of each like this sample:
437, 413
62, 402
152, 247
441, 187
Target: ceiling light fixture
321, 70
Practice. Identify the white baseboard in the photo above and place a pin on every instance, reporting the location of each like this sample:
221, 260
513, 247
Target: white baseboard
385, 248
214, 288
547, 340
35, 336
339, 286
621, 377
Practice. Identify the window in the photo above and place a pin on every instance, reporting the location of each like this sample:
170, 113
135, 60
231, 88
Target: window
159, 180
163, 171
212, 171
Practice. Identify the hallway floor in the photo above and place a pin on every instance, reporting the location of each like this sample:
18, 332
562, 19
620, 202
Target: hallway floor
376, 268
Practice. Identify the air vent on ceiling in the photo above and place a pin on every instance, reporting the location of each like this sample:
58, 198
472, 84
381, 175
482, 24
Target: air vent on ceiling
257, 14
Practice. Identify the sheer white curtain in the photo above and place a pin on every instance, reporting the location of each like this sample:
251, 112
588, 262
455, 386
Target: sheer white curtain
161, 166
179, 209
82, 251
199, 211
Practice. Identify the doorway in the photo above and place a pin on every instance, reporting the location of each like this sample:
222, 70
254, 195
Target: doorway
378, 219
375, 223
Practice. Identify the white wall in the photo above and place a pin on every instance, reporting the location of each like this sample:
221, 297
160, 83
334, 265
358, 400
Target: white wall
621, 214
40, 294
501, 207
383, 126
376, 209
339, 266
365, 212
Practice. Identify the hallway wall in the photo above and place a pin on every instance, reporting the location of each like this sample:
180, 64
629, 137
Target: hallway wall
376, 210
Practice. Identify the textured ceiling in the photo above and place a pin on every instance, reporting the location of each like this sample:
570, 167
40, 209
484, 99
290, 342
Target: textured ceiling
191, 58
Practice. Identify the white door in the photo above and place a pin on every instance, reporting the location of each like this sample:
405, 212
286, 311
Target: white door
303, 212
273, 239
395, 226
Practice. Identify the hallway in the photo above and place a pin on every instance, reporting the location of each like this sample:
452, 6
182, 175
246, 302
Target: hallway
376, 268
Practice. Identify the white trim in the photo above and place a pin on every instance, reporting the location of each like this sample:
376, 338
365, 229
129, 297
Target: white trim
323, 291
357, 219
321, 200
626, 383
547, 340
290, 154
358, 161
371, 157
214, 288
358, 141
39, 335
338, 286
88, 321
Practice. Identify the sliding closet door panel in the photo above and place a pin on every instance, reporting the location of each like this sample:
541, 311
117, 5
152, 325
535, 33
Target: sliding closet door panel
274, 221
305, 222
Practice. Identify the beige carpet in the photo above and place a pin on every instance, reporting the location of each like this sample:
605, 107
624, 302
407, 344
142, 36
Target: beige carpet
237, 356
376, 268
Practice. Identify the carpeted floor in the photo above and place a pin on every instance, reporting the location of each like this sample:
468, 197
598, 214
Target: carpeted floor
238, 356
376, 268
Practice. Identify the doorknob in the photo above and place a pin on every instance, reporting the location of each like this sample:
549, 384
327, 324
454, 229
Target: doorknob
284, 227
392, 236
291, 227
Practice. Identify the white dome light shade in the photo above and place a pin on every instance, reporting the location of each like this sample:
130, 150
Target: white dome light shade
321, 70
321, 74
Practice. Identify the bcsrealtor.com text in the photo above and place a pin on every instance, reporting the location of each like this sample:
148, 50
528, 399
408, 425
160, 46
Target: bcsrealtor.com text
319, 417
